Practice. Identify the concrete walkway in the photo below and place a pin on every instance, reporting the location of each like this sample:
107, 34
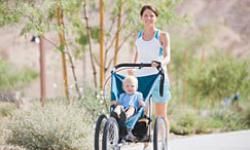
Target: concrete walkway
222, 141
239, 140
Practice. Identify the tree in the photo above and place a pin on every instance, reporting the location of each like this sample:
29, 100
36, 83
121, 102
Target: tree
39, 19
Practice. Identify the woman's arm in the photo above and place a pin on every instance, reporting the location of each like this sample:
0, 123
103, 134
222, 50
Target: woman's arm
165, 42
135, 57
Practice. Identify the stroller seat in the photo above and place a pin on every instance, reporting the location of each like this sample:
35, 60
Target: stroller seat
145, 86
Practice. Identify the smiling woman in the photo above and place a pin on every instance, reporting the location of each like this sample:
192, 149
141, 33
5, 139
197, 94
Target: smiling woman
153, 46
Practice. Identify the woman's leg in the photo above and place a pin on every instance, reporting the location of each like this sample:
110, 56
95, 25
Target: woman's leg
161, 111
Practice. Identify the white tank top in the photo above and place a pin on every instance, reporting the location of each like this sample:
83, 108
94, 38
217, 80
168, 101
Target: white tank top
148, 51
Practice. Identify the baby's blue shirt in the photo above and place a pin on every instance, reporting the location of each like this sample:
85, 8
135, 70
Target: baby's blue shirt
128, 100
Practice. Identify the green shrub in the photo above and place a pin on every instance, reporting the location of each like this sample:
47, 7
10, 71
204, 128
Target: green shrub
247, 118
184, 122
2, 138
11, 77
7, 147
6, 109
228, 119
220, 77
56, 127
95, 105
188, 120
245, 113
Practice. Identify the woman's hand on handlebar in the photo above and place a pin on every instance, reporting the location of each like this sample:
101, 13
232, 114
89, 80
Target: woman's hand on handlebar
156, 64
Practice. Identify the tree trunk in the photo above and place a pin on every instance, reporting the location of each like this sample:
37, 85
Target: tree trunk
74, 74
102, 70
119, 18
42, 61
62, 48
90, 44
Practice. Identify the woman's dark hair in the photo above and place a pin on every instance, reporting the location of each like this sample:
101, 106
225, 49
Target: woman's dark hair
154, 10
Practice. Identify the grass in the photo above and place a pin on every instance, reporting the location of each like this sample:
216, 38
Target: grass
11, 77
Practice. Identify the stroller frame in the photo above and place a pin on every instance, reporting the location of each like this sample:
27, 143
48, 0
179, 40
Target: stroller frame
107, 135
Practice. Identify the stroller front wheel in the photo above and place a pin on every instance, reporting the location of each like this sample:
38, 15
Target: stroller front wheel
110, 140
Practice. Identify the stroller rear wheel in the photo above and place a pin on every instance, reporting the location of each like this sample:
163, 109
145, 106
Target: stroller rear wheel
110, 140
100, 123
160, 141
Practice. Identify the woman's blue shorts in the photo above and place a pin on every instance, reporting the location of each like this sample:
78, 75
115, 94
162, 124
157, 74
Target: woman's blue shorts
156, 97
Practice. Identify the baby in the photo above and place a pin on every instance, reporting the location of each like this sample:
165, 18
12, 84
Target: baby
129, 101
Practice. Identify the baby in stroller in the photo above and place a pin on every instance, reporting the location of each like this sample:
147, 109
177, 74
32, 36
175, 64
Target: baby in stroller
127, 105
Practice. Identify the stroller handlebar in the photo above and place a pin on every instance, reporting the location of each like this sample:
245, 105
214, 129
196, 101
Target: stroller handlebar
139, 65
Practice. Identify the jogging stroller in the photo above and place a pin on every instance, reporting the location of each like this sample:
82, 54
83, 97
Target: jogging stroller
108, 131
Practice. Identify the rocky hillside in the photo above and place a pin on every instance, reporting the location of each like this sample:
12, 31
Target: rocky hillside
230, 18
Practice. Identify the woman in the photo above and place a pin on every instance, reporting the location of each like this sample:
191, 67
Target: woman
153, 46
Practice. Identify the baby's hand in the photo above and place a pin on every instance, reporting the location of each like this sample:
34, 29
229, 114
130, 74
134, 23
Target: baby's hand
118, 110
142, 103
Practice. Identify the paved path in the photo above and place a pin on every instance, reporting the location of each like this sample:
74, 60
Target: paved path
222, 141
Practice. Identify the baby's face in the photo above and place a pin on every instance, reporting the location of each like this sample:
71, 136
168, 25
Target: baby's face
129, 88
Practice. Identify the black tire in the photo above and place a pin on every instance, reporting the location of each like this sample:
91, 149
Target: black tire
99, 128
160, 141
110, 140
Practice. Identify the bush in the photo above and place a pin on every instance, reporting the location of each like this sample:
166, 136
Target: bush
188, 120
247, 118
95, 105
184, 122
56, 127
228, 118
10, 77
245, 114
6, 109
7, 147
221, 76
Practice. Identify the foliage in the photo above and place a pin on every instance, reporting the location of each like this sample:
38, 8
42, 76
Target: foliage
8, 147
10, 77
93, 104
185, 55
8, 12
184, 123
55, 126
6, 109
215, 119
246, 117
132, 12
37, 16
219, 77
